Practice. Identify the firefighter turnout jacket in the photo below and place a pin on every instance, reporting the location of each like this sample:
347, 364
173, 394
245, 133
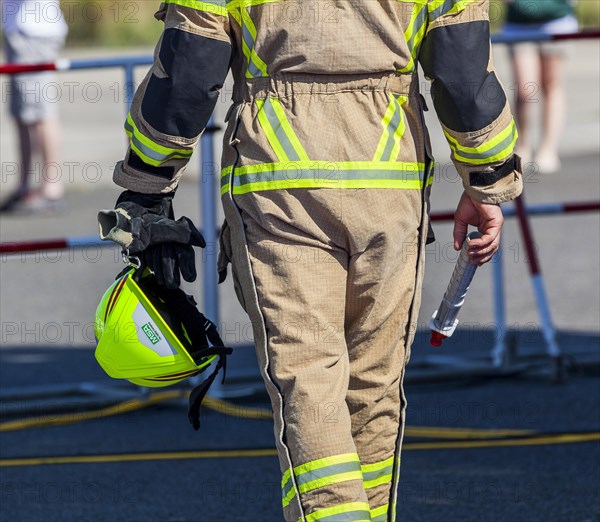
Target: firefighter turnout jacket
325, 179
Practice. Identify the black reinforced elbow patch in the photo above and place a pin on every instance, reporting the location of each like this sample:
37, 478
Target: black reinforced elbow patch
466, 96
181, 103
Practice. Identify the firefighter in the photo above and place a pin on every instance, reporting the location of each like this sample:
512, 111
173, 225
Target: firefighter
325, 181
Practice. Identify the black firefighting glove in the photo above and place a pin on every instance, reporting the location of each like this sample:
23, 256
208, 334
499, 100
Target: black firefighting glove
144, 225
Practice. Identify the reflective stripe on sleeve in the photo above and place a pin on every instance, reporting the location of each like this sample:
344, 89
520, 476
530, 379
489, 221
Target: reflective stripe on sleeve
150, 152
280, 134
324, 174
393, 129
499, 148
216, 7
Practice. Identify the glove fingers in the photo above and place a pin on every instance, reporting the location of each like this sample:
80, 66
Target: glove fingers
168, 266
196, 238
187, 263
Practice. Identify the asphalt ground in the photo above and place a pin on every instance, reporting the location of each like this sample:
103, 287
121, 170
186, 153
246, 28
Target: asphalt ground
47, 302
485, 471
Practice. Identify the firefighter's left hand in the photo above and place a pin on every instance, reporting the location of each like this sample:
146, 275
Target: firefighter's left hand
487, 218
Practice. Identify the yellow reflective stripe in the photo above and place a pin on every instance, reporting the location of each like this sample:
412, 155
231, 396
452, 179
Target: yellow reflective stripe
385, 122
248, 42
352, 511
488, 144
279, 132
150, 152
439, 8
329, 480
401, 100
289, 496
270, 132
320, 473
287, 128
324, 174
339, 184
393, 129
330, 166
414, 34
434, 4
498, 148
249, 3
286, 476
368, 468
217, 8
377, 473
384, 479
379, 514
326, 461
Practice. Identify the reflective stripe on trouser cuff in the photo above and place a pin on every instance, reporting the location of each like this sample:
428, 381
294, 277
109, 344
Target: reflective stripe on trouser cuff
351, 512
378, 473
393, 130
496, 149
320, 473
325, 174
380, 513
280, 134
216, 7
414, 35
150, 152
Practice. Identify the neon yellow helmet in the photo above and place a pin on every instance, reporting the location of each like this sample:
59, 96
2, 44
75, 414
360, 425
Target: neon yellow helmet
154, 336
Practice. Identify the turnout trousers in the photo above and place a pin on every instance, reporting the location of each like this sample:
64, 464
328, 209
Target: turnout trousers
330, 278
331, 281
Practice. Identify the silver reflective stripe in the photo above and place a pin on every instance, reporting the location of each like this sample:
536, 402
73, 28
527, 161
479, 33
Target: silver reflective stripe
327, 471
506, 142
417, 24
254, 71
249, 40
349, 516
289, 485
282, 137
327, 175
372, 475
393, 125
380, 518
442, 9
147, 151
247, 36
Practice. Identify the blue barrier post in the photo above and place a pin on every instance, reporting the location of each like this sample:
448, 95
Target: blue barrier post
208, 199
129, 85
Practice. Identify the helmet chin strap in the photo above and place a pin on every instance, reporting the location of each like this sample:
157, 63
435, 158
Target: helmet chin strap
199, 392
203, 334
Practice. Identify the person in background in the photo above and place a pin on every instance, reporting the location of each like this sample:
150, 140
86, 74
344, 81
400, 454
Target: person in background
539, 69
34, 32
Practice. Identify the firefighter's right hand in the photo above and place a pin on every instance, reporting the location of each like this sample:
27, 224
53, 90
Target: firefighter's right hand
487, 218
145, 226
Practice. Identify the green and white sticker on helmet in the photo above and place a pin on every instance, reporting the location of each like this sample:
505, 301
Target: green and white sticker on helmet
149, 334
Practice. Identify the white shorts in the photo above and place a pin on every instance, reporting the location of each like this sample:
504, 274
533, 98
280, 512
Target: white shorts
30, 96
565, 25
